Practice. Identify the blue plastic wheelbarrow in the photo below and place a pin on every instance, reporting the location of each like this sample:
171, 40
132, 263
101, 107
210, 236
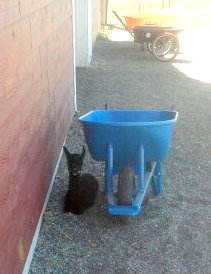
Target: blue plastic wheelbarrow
133, 145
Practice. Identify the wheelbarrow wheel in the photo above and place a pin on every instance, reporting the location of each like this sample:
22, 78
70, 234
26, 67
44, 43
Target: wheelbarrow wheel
165, 47
126, 186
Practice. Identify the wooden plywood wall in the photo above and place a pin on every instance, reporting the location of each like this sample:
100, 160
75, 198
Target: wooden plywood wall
36, 106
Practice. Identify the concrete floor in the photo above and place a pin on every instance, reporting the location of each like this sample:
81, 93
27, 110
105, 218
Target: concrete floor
173, 232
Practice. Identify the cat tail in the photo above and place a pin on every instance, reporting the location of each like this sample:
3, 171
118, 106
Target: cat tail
67, 154
83, 152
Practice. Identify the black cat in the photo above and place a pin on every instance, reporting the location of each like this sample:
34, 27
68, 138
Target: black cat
83, 188
74, 161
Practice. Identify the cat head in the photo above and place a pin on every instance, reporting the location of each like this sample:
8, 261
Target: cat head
74, 161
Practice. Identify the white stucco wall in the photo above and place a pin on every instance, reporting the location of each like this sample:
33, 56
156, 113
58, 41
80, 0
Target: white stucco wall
83, 39
87, 25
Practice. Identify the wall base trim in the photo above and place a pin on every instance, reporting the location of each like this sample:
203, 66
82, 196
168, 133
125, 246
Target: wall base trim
37, 231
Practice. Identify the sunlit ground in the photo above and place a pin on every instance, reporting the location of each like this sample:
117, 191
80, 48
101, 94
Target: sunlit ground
194, 59
119, 35
195, 47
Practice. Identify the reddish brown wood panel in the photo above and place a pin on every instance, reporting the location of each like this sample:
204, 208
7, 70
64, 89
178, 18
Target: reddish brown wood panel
15, 44
36, 106
29, 6
9, 12
46, 21
58, 45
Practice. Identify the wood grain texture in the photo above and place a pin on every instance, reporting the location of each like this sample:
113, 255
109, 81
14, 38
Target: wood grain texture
60, 47
30, 6
46, 21
36, 106
9, 12
15, 42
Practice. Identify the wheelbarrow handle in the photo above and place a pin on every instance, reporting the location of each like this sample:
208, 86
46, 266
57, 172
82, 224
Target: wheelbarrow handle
119, 18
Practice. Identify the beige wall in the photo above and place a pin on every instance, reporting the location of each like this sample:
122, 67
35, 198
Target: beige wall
200, 10
96, 19
87, 26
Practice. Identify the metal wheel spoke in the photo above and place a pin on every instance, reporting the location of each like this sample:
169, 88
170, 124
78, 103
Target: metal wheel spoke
165, 47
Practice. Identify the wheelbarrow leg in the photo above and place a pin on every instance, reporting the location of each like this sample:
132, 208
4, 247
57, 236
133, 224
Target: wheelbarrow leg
141, 183
108, 187
156, 181
159, 178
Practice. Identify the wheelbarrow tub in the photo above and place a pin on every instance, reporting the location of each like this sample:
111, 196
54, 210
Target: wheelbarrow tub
126, 131
164, 19
149, 33
134, 21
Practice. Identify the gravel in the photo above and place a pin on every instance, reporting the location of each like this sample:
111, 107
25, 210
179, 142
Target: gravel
173, 232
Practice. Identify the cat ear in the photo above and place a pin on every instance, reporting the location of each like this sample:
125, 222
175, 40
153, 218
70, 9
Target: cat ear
83, 152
